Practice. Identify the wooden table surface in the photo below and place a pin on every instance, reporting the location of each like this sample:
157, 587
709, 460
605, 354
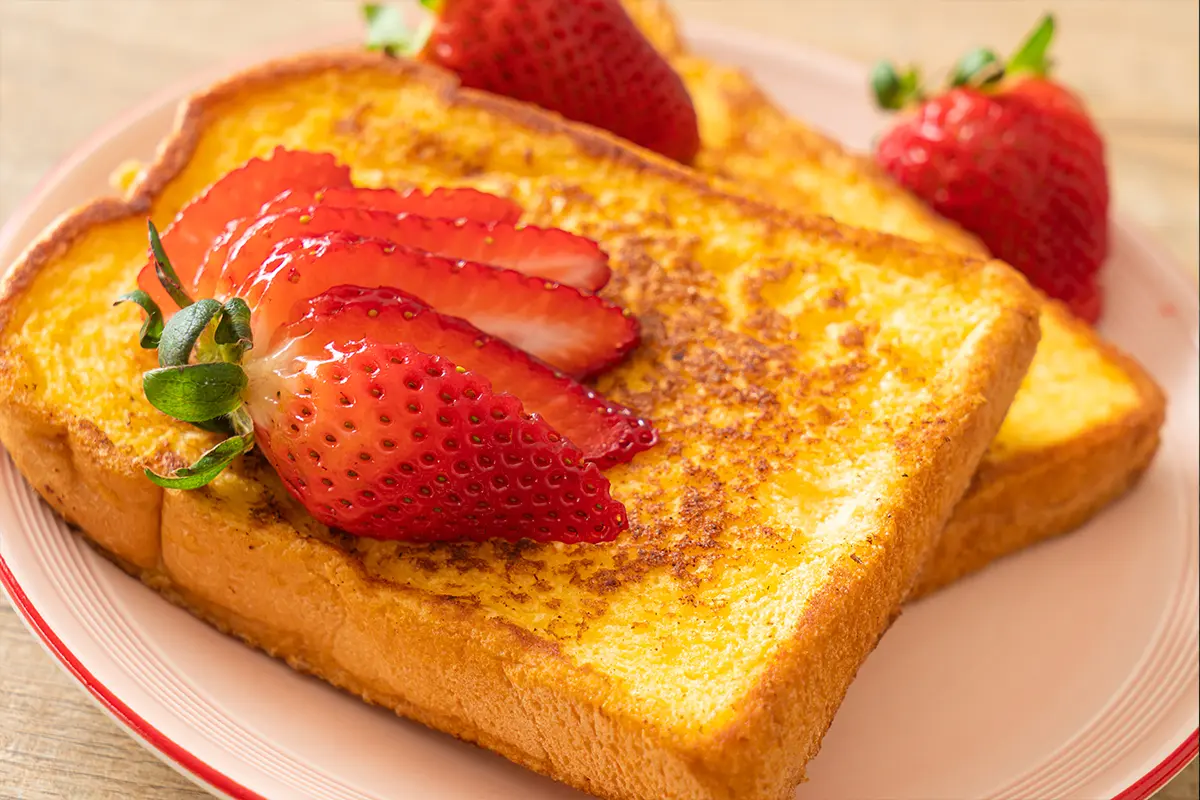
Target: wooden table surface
68, 66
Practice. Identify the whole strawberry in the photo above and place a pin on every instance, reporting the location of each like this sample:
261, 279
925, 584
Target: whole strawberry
1012, 156
585, 59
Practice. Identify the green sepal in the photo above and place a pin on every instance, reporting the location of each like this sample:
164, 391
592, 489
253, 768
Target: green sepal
195, 392
166, 273
152, 328
1030, 57
241, 422
217, 425
894, 90
182, 330
980, 67
389, 32
233, 331
207, 467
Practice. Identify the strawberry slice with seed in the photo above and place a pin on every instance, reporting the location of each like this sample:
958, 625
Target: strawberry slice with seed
384, 440
607, 433
551, 254
441, 203
577, 333
240, 193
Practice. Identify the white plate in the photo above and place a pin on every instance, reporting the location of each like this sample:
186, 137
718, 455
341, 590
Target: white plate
1068, 671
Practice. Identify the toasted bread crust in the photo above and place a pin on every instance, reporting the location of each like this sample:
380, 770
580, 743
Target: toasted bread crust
512, 691
776, 709
1016, 502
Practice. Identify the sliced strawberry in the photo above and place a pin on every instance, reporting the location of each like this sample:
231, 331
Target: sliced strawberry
607, 433
545, 253
383, 440
441, 203
578, 333
240, 193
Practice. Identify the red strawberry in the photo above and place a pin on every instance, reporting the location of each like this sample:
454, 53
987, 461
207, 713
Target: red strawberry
605, 432
1013, 157
250, 193
579, 334
441, 203
240, 193
587, 60
373, 434
382, 439
545, 253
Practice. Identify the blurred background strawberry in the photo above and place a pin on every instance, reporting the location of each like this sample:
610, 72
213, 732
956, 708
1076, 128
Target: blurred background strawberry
1013, 156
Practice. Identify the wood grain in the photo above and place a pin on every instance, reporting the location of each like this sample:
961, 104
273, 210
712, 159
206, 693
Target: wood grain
69, 66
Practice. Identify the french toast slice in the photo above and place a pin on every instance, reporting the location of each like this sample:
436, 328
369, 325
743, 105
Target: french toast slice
823, 396
1085, 424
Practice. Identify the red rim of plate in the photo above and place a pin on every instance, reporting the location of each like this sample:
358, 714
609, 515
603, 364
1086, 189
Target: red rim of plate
184, 759
166, 747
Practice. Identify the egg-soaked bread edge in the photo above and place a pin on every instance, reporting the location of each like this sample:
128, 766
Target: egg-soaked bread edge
1016, 502
511, 691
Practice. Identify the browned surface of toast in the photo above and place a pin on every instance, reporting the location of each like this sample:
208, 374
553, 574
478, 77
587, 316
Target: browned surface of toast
824, 395
1086, 422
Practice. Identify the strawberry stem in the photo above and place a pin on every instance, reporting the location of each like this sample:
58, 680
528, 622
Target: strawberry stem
1031, 57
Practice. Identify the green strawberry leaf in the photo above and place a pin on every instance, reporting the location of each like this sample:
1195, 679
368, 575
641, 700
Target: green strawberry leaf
388, 31
894, 90
233, 334
152, 328
234, 327
207, 467
240, 422
166, 273
182, 330
195, 392
217, 425
1031, 56
980, 67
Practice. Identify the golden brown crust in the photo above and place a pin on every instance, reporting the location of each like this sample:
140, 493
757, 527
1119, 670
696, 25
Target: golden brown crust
404, 649
179, 146
57, 239
75, 468
1022, 500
